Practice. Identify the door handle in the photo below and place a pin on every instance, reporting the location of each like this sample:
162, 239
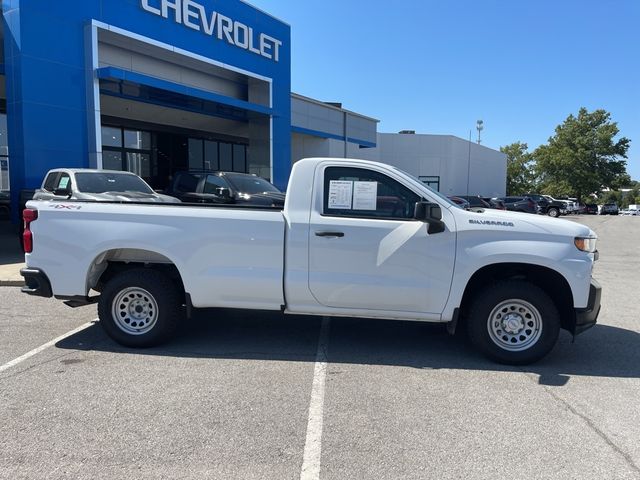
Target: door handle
329, 234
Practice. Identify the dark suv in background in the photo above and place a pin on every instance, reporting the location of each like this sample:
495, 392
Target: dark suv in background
591, 209
225, 187
520, 204
553, 208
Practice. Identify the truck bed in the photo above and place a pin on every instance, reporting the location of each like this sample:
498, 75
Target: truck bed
228, 255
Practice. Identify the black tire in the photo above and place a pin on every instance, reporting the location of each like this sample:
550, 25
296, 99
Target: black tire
553, 212
534, 322
140, 308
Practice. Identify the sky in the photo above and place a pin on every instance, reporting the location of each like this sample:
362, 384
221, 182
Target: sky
521, 66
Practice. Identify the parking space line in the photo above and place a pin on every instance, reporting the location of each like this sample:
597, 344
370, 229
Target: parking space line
313, 442
35, 351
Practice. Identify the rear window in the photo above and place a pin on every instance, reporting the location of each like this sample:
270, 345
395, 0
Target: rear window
250, 184
187, 183
50, 182
101, 182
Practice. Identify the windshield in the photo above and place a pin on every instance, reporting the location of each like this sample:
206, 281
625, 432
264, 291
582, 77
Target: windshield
250, 184
442, 197
100, 182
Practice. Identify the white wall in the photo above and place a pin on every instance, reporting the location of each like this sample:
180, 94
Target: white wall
306, 146
445, 156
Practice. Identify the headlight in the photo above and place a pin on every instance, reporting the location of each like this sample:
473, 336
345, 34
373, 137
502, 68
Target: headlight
585, 244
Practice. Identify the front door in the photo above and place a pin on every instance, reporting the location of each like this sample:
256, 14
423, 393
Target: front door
367, 252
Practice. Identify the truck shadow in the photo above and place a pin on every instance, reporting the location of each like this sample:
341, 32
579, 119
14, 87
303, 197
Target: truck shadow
603, 351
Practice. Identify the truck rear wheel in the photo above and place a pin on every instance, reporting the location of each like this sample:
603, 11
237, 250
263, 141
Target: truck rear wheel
513, 322
553, 212
140, 308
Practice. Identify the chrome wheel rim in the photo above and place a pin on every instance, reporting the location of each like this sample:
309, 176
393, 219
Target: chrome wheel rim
134, 311
515, 325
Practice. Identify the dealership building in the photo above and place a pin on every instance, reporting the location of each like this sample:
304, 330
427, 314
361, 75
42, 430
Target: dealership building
160, 86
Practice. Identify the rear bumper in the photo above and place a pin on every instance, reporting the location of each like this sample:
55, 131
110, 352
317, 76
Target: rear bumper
36, 282
587, 317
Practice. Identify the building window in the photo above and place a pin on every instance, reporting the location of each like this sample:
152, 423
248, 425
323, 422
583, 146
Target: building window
431, 181
212, 156
126, 149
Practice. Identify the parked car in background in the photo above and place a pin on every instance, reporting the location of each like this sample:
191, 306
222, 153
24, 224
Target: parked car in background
569, 207
98, 185
225, 187
609, 209
635, 208
572, 204
461, 202
495, 203
553, 208
475, 203
591, 209
520, 204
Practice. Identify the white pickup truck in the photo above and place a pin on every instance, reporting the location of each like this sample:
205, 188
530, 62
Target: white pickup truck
355, 239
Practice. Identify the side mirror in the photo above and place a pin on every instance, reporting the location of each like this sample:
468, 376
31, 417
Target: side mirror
430, 213
62, 192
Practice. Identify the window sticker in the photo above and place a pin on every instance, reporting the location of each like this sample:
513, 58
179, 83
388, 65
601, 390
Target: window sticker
340, 194
365, 195
64, 182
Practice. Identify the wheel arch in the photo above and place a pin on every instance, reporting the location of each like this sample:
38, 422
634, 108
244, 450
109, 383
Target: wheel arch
550, 281
113, 261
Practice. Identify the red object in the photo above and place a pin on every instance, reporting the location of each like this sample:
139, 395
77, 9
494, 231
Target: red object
29, 216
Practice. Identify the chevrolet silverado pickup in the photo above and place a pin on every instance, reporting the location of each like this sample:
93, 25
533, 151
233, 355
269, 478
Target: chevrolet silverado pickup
355, 238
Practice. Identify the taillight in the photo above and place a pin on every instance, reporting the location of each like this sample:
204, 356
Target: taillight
29, 215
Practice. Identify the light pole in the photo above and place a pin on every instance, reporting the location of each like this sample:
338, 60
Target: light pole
479, 127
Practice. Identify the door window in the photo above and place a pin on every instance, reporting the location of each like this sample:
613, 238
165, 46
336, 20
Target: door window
213, 183
357, 192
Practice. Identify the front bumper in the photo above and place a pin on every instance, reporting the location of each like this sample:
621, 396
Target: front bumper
587, 317
36, 282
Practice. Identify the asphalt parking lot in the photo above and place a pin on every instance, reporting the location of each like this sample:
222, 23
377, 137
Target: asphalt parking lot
234, 395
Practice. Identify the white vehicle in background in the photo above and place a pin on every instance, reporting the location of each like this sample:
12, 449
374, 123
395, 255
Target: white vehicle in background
635, 209
572, 205
355, 239
567, 204
98, 186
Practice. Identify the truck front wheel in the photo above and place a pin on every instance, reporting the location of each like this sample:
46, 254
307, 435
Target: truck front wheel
513, 322
140, 308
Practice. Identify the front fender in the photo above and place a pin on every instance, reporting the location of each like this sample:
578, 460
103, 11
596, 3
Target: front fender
562, 257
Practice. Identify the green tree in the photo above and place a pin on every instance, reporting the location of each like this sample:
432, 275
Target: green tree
520, 178
583, 156
612, 196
